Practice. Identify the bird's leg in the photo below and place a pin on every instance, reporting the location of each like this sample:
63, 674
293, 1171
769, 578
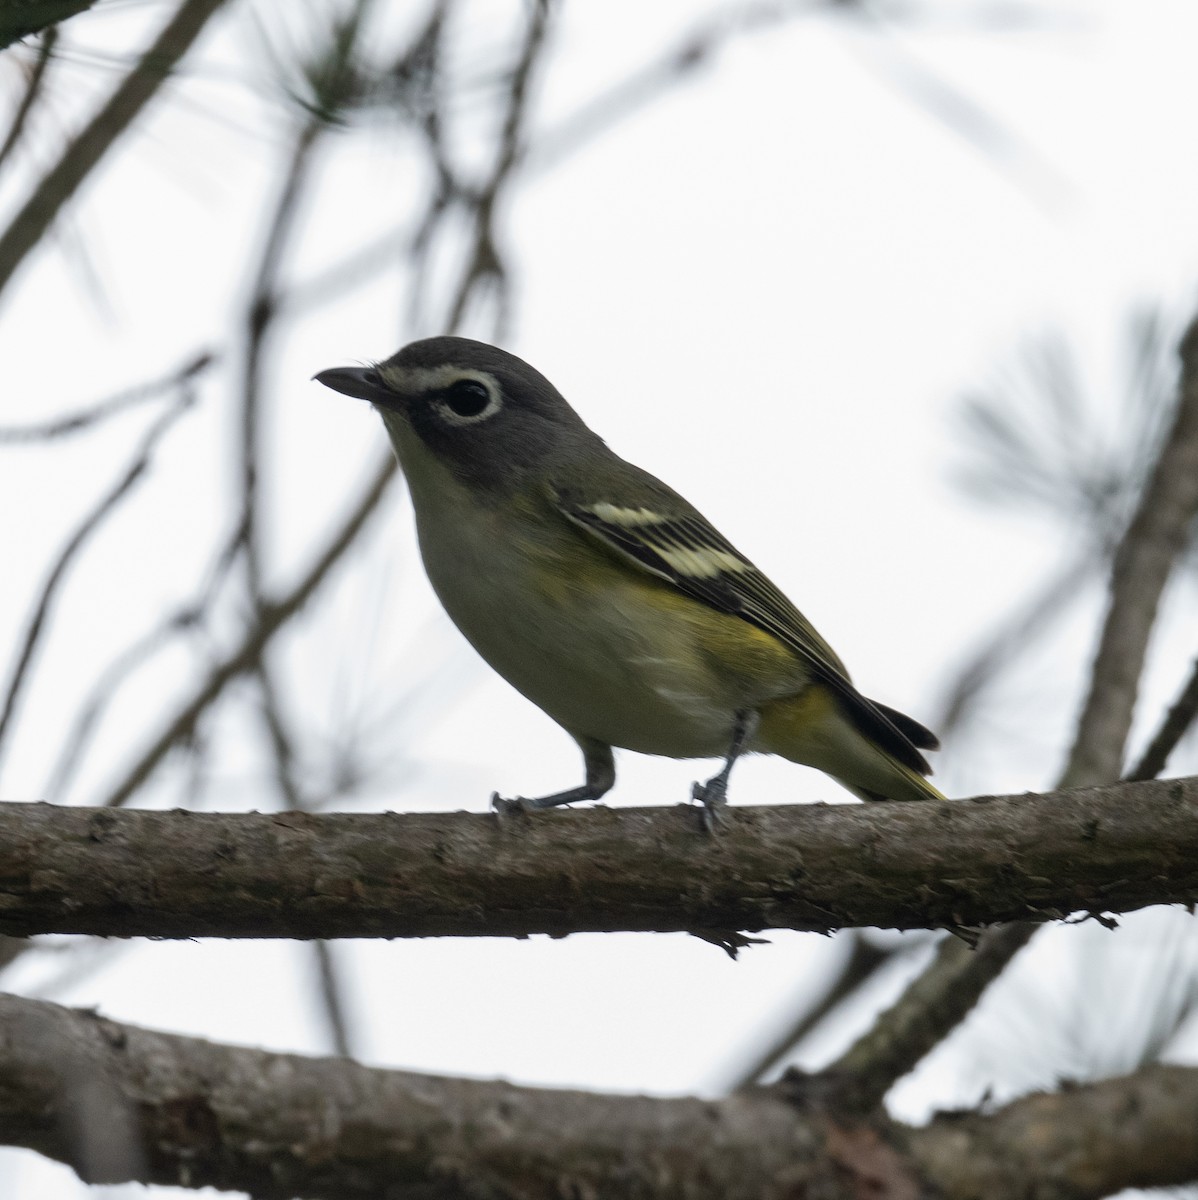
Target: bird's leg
713, 794
600, 776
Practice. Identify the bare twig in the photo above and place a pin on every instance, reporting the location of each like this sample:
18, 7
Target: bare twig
102, 693
485, 266
1014, 158
1154, 539
332, 80
93, 521
939, 999
185, 618
82, 419
332, 997
273, 616
1177, 720
1002, 647
33, 88
286, 778
93, 142
936, 1001
279, 1125
863, 963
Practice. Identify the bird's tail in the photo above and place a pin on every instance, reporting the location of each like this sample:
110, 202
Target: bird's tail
858, 743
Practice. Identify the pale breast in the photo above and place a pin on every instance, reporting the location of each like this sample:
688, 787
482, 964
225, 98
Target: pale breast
567, 627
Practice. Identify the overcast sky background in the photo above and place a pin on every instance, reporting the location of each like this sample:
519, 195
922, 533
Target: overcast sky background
770, 286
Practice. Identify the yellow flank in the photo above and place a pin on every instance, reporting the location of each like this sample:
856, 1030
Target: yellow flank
811, 728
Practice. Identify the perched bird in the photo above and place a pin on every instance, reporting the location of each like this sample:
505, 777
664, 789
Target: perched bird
607, 599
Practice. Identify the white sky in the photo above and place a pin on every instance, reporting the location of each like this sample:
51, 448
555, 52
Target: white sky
768, 287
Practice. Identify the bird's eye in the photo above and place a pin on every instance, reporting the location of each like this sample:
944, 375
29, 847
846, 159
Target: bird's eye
467, 397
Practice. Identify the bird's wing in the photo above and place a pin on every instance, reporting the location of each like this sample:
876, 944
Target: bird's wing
667, 537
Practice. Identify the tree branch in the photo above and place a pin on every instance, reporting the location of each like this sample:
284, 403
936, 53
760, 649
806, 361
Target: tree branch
813, 867
196, 1113
1173, 728
79, 158
1084, 1141
93, 521
272, 617
1156, 536
944, 994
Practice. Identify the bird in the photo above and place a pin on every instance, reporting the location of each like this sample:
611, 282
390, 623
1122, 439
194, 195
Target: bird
605, 597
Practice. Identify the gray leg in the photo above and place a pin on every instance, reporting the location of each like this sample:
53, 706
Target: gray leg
600, 777
713, 794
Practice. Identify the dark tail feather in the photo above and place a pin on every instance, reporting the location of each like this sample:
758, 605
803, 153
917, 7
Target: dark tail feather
917, 734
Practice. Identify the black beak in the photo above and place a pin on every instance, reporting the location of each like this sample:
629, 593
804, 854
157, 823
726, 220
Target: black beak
363, 383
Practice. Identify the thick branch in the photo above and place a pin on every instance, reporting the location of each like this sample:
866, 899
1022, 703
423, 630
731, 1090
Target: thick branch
1134, 1131
117, 1102
812, 867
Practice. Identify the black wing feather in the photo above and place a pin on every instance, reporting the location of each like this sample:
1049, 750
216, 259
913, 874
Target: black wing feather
747, 593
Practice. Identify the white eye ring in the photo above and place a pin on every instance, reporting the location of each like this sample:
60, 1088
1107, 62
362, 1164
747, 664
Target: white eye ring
469, 399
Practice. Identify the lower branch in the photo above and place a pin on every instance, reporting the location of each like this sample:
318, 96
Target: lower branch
811, 867
117, 1102
1134, 1131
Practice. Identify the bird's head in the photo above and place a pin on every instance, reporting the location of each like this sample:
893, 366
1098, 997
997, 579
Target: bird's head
485, 414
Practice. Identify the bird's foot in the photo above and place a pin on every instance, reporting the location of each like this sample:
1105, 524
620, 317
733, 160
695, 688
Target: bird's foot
503, 807
530, 804
713, 795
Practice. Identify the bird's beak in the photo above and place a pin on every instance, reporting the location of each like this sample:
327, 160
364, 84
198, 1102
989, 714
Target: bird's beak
363, 383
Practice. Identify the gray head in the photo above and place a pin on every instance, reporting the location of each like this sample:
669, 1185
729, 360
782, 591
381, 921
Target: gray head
486, 414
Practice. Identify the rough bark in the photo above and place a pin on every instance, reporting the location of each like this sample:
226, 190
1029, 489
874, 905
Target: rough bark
117, 1102
810, 867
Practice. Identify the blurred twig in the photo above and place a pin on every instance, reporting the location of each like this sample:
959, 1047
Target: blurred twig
287, 781
332, 997
185, 618
1178, 719
1036, 440
485, 265
93, 521
273, 616
1013, 157
330, 79
59, 184
1153, 542
85, 418
863, 963
1002, 647
694, 50
939, 999
33, 87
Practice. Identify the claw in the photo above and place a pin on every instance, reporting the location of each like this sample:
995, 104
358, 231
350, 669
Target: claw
503, 807
713, 795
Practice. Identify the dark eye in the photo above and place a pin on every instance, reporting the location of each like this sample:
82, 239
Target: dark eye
467, 397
